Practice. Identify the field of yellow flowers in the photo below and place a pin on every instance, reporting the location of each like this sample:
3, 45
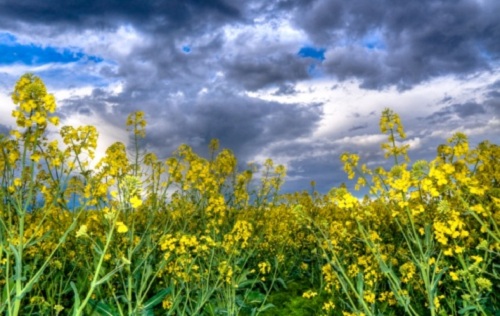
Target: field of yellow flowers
135, 235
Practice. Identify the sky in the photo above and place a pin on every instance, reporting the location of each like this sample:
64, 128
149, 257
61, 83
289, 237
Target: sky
298, 81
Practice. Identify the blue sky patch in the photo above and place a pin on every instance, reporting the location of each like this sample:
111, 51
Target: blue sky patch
52, 77
314, 70
11, 52
373, 41
312, 52
7, 39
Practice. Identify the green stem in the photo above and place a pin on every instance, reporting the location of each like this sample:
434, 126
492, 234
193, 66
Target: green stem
95, 281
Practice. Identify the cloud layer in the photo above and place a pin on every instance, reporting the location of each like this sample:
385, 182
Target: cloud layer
299, 81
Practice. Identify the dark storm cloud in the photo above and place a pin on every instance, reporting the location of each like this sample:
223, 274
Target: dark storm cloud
468, 109
358, 127
162, 65
495, 85
4, 130
148, 15
494, 94
446, 99
320, 161
165, 23
242, 124
285, 89
191, 78
492, 102
381, 43
458, 110
245, 123
325, 171
312, 161
494, 90
257, 72
402, 43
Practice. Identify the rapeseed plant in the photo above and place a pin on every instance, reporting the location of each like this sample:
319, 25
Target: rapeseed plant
135, 235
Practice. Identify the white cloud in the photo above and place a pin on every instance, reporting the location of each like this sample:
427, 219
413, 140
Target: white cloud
18, 70
6, 107
362, 140
108, 44
491, 127
264, 37
345, 105
414, 143
75, 92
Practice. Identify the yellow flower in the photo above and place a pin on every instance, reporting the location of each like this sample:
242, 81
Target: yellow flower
135, 201
54, 120
39, 119
137, 122
167, 303
16, 134
36, 157
328, 306
408, 271
121, 227
437, 300
448, 169
309, 294
484, 284
369, 297
82, 232
58, 308
264, 267
479, 209
477, 259
459, 249
448, 252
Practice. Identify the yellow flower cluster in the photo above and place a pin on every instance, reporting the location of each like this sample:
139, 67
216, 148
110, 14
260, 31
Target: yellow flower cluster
239, 237
34, 104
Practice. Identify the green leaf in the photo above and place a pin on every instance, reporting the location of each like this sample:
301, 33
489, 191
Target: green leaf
210, 309
102, 308
266, 307
155, 300
15, 252
246, 283
5, 294
97, 250
255, 297
108, 276
467, 309
147, 312
77, 296
281, 282
360, 284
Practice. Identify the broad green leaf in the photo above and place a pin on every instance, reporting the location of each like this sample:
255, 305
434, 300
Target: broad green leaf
102, 308
155, 300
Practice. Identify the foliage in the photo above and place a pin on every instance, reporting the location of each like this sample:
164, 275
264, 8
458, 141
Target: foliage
135, 235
